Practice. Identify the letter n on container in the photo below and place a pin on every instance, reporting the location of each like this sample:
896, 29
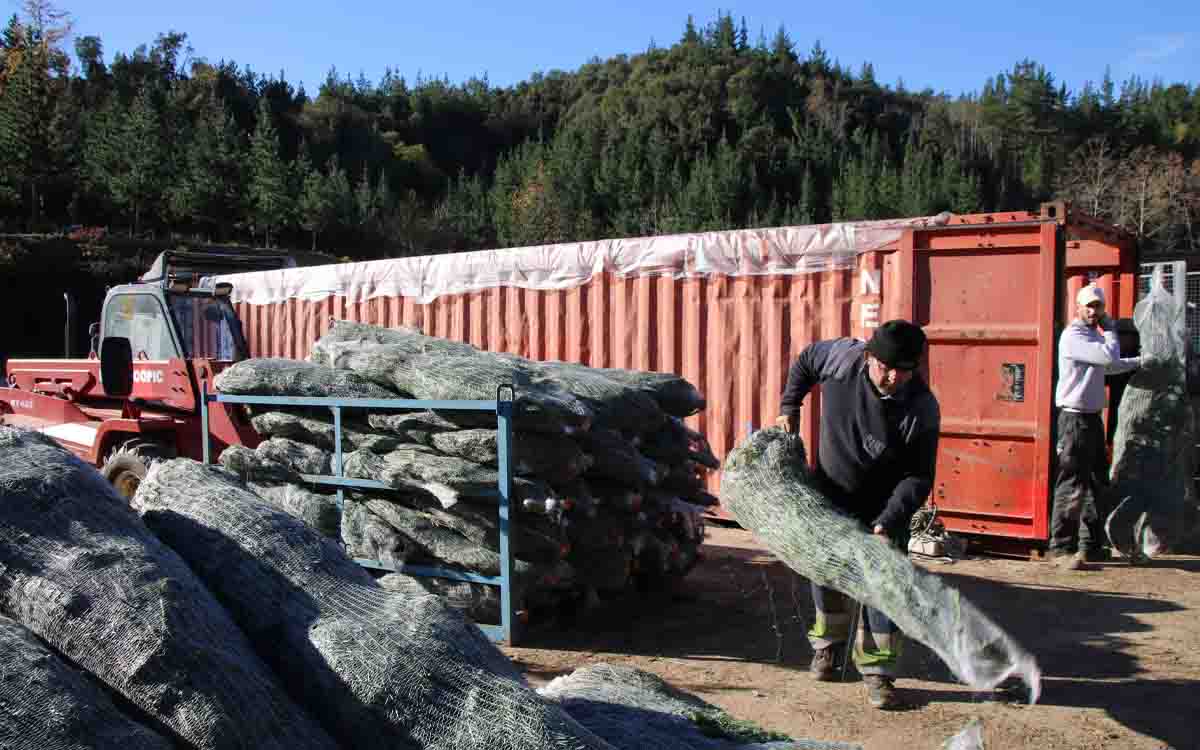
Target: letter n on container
867, 301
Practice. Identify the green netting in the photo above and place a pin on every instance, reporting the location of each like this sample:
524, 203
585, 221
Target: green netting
767, 487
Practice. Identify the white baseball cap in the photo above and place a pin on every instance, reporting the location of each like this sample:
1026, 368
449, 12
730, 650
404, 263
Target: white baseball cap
1089, 294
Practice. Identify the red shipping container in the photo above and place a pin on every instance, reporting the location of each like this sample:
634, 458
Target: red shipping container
730, 311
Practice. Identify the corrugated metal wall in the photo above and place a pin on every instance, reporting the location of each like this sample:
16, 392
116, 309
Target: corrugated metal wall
734, 338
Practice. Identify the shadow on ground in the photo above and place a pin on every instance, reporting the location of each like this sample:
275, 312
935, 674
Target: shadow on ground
741, 604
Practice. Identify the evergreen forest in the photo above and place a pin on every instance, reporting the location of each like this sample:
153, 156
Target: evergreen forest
723, 128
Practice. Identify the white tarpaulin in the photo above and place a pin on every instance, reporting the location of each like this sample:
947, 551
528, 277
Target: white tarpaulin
746, 252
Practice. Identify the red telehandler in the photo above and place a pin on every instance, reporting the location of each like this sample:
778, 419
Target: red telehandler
137, 395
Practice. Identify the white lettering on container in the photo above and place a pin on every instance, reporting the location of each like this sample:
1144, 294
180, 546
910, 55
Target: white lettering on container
870, 315
869, 282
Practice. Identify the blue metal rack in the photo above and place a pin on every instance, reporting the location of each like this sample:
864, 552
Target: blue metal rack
506, 632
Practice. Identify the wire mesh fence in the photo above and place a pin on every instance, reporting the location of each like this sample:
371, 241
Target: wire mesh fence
1191, 281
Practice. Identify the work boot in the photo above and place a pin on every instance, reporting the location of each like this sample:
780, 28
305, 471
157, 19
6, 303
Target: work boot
1080, 561
881, 693
1070, 560
1101, 554
824, 664
1136, 556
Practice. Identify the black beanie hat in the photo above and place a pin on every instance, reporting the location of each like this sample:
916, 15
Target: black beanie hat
898, 343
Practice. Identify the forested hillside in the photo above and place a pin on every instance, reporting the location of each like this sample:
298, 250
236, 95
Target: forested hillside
721, 129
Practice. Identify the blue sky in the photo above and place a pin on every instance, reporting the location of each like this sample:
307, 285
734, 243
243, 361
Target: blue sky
950, 46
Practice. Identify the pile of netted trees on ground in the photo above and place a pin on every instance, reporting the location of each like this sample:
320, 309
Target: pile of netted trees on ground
608, 481
202, 616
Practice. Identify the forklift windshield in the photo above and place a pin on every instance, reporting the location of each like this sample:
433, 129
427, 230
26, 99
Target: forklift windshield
208, 327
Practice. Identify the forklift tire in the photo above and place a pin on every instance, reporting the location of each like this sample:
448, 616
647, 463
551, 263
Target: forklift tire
127, 466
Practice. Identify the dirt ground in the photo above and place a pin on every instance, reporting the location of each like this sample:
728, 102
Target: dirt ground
1119, 648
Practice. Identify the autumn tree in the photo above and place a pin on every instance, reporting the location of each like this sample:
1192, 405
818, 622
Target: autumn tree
1091, 177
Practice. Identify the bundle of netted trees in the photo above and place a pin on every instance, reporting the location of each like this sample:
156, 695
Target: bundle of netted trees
1153, 491
608, 481
199, 616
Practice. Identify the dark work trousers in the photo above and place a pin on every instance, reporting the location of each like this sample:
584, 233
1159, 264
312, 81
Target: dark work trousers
877, 640
1077, 520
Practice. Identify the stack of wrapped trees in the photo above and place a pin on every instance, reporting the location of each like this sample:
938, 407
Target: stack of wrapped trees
198, 617
608, 482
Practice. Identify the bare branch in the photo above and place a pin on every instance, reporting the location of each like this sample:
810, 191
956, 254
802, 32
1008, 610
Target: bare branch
1090, 178
51, 23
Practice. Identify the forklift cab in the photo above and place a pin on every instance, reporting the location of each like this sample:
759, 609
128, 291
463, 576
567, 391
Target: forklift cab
174, 321
175, 311
178, 311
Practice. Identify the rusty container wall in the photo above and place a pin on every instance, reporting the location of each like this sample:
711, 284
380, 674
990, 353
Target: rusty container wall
992, 290
993, 299
734, 338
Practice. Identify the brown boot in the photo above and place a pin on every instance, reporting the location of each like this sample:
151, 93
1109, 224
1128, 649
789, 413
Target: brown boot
881, 693
824, 664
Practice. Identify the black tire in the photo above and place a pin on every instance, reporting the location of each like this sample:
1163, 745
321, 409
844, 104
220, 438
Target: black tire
126, 467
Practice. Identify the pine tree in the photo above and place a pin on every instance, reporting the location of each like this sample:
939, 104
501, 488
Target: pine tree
690, 35
210, 186
967, 195
270, 202
743, 37
818, 58
125, 156
340, 195
141, 184
783, 50
17, 148
917, 195
730, 186
805, 213
1108, 90
465, 214
384, 202
504, 184
722, 35
25, 108
315, 206
387, 208
364, 200
180, 202
34, 132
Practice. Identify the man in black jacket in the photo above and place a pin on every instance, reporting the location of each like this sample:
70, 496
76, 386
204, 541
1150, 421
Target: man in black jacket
875, 461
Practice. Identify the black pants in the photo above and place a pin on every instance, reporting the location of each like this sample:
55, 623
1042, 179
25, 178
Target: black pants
1077, 520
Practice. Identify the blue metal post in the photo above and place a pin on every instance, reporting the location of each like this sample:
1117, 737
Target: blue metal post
337, 455
204, 421
504, 412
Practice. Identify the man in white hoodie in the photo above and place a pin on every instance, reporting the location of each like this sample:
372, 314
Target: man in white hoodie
1087, 351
